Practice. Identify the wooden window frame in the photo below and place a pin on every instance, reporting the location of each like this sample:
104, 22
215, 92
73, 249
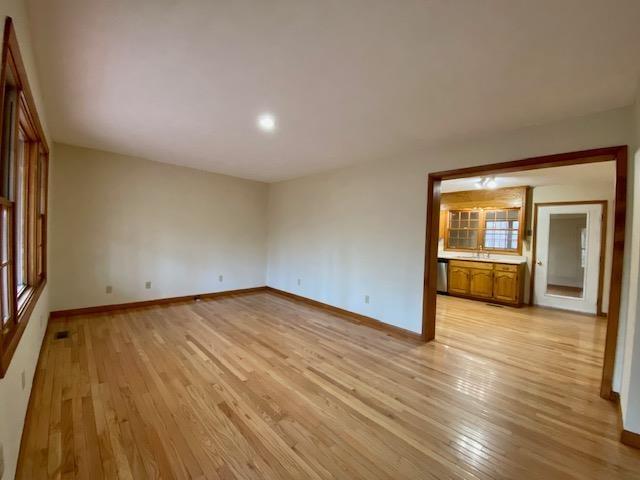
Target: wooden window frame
449, 228
480, 240
36, 154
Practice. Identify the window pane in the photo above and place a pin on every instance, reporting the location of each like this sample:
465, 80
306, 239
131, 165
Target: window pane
8, 135
4, 232
4, 291
21, 211
501, 229
463, 229
42, 183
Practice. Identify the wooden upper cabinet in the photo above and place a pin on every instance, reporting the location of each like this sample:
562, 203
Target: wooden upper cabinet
481, 282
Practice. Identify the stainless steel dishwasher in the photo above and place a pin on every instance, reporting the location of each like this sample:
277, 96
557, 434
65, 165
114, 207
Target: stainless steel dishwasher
443, 275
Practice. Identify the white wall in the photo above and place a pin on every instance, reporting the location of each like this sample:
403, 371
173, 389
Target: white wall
360, 230
13, 398
630, 381
122, 221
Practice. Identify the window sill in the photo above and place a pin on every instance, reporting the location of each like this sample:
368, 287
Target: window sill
26, 303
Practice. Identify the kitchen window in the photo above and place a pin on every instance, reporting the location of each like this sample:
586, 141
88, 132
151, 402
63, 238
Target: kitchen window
501, 229
493, 230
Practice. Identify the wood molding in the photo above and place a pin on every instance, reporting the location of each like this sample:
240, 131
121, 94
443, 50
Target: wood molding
630, 438
430, 283
351, 316
603, 246
627, 437
11, 49
617, 154
11, 61
615, 290
149, 303
533, 163
25, 316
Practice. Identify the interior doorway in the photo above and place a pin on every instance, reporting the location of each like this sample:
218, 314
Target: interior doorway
612, 154
569, 256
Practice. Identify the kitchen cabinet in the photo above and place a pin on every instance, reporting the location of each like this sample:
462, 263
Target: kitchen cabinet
458, 280
497, 282
505, 286
481, 282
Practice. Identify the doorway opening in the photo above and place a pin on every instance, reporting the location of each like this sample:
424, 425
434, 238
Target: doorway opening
485, 270
569, 254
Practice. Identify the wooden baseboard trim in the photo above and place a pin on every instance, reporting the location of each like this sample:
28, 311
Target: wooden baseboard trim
628, 438
631, 439
149, 303
351, 316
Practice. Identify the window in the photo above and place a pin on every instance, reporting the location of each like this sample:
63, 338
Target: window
464, 229
496, 230
501, 229
23, 203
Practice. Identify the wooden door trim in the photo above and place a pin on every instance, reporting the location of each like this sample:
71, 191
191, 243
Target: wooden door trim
617, 154
603, 246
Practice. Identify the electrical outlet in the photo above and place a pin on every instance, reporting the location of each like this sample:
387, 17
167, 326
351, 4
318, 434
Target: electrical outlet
147, 285
23, 378
366, 299
220, 278
108, 289
299, 282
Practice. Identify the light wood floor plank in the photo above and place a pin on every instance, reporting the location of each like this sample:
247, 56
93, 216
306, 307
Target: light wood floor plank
262, 386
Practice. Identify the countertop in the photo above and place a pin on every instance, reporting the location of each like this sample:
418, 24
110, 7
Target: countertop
511, 261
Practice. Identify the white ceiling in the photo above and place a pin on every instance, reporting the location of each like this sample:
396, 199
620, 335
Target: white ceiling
586, 174
349, 80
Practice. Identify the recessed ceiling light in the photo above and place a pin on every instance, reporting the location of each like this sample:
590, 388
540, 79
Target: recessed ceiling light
266, 122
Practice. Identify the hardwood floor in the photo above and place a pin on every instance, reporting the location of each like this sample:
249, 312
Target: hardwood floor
261, 386
565, 291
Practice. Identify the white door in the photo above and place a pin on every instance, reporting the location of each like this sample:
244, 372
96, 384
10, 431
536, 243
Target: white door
568, 256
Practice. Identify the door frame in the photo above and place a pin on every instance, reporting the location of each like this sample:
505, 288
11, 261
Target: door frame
618, 154
603, 244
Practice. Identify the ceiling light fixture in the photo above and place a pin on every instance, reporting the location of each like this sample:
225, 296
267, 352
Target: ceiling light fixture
266, 122
487, 182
